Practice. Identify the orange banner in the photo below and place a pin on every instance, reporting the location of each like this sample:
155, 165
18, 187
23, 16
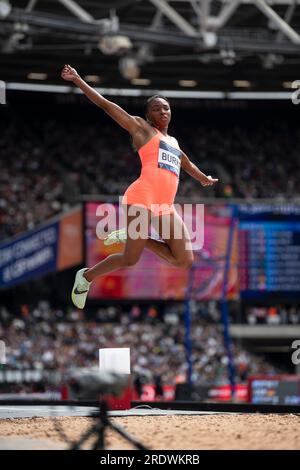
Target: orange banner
70, 252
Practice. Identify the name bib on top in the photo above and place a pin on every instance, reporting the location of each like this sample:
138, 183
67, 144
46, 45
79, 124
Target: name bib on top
169, 158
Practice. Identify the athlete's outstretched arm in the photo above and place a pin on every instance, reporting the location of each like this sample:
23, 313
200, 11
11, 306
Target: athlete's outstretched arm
131, 123
194, 171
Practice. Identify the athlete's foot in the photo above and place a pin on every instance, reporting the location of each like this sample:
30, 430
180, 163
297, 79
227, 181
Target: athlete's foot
116, 236
80, 289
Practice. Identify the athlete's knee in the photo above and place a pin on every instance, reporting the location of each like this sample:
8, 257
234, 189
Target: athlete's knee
130, 260
186, 262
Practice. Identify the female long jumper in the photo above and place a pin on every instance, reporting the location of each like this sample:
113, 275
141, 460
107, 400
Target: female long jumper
153, 192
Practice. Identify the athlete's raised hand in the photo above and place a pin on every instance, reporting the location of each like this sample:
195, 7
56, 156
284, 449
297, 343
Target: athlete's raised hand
68, 73
208, 180
132, 124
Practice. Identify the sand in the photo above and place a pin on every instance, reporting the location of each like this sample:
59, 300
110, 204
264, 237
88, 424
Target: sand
213, 432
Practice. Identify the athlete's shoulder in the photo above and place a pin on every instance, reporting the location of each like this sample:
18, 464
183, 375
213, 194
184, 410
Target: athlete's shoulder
141, 121
174, 140
142, 125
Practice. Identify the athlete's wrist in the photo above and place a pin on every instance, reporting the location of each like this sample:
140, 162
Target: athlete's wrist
77, 79
203, 178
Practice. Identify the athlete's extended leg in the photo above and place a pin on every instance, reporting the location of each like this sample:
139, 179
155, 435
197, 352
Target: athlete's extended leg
130, 256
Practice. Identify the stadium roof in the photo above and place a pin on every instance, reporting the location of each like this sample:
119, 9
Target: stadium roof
196, 44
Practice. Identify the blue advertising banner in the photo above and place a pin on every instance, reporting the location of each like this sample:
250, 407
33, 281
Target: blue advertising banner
269, 251
29, 255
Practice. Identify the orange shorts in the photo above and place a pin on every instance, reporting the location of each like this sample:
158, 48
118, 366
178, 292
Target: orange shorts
156, 195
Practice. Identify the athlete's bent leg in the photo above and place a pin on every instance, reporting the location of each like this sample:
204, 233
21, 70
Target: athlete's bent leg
179, 242
176, 246
160, 248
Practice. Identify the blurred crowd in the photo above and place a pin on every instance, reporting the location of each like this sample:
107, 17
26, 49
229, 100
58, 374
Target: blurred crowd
32, 187
45, 338
46, 165
275, 315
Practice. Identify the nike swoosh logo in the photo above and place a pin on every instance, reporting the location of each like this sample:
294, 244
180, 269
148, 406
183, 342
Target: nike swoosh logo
76, 291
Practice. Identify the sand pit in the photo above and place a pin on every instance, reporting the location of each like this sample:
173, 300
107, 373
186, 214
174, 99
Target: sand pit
213, 432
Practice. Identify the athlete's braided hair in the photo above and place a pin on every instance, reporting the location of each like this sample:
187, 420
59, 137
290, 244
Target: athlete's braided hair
152, 98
